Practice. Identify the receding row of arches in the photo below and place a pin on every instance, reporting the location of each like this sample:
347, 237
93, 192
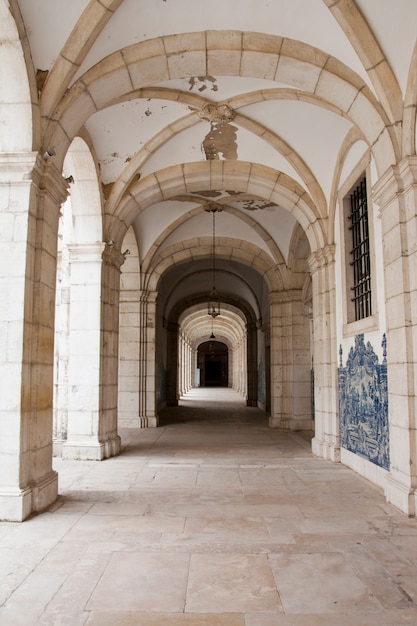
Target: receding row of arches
160, 331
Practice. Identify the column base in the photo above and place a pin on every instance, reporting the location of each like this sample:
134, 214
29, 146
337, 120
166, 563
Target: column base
326, 448
148, 422
290, 423
84, 451
274, 422
15, 504
57, 447
401, 496
45, 492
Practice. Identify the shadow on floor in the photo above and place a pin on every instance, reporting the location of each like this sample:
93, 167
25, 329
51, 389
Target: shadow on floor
214, 404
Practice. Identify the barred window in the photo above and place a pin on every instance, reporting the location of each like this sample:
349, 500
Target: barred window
359, 253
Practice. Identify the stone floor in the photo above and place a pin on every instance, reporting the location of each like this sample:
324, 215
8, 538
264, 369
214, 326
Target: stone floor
213, 519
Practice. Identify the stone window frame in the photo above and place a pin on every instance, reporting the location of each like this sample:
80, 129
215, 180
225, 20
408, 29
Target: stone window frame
352, 327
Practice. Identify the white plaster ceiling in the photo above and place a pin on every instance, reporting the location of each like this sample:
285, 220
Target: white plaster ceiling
267, 130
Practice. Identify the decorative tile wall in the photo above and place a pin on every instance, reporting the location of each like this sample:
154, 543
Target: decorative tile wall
363, 403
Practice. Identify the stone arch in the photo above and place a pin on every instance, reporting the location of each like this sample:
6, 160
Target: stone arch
178, 56
180, 180
237, 328
274, 250
231, 328
366, 46
410, 109
85, 198
194, 249
236, 311
351, 139
129, 173
91, 23
129, 332
82, 282
16, 134
296, 238
248, 311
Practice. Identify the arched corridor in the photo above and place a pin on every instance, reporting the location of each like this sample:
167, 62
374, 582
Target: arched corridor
170, 174
208, 312
213, 518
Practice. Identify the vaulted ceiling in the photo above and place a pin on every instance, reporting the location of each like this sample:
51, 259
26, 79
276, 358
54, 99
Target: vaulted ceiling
184, 101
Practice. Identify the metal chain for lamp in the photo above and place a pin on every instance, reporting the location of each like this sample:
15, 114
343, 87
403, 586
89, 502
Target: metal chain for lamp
213, 253
213, 300
212, 336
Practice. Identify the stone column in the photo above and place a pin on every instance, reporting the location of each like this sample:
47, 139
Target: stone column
194, 371
291, 354
299, 385
241, 366
266, 331
182, 385
261, 366
396, 195
189, 365
326, 442
61, 349
128, 393
276, 359
180, 360
147, 365
231, 359
234, 356
31, 193
252, 370
87, 436
109, 361
172, 364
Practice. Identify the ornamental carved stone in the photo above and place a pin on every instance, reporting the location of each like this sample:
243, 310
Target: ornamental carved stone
216, 113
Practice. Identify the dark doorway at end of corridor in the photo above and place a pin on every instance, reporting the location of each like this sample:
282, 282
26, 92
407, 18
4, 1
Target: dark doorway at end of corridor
213, 364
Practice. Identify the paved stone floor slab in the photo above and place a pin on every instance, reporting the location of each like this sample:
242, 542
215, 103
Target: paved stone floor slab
239, 582
211, 519
143, 582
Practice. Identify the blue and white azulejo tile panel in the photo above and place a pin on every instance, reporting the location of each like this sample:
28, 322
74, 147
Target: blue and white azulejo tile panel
363, 403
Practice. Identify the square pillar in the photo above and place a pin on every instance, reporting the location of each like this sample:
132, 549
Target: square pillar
147, 360
31, 192
396, 195
326, 442
290, 343
89, 437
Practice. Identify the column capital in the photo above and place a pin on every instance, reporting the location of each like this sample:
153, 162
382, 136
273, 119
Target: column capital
278, 297
322, 258
148, 297
129, 295
397, 179
285, 297
86, 252
49, 180
112, 256
17, 167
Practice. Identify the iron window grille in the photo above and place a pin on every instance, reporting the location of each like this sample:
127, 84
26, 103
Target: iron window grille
360, 255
